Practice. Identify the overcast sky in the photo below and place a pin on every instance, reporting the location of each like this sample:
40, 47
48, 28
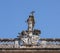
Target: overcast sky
14, 13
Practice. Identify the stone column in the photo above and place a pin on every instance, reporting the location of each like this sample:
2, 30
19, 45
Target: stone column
16, 44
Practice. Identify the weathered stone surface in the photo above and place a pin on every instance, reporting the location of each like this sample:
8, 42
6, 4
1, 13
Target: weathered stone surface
29, 51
